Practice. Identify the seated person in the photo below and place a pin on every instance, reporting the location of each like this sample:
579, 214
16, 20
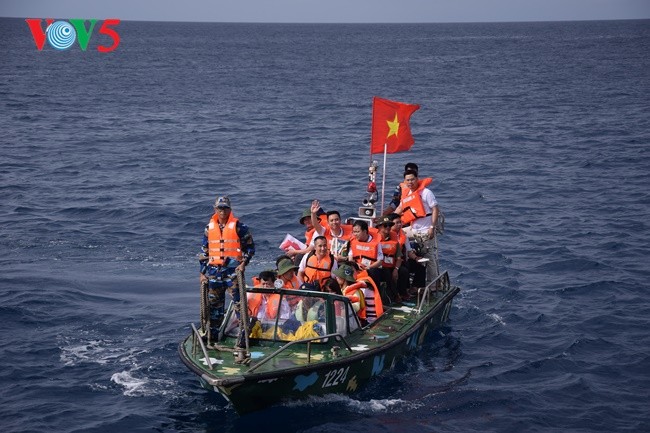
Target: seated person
287, 274
310, 308
392, 251
266, 306
317, 266
264, 279
344, 275
365, 251
403, 273
331, 286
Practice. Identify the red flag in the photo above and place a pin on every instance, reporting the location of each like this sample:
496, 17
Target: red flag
390, 126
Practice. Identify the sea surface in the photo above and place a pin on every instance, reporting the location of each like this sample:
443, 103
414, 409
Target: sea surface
537, 135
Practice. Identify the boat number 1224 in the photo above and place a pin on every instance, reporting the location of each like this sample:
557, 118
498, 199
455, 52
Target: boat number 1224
335, 377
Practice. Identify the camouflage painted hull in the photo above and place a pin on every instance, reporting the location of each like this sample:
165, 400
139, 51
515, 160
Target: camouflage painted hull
281, 371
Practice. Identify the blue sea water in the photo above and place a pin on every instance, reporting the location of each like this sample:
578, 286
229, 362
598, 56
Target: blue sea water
537, 135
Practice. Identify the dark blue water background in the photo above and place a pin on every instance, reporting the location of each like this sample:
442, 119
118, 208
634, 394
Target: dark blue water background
538, 137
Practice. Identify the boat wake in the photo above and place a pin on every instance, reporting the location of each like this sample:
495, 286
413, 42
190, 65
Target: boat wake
368, 407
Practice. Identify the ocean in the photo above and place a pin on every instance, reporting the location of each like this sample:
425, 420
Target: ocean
537, 136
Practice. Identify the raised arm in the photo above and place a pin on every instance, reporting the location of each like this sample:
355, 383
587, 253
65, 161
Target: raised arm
315, 207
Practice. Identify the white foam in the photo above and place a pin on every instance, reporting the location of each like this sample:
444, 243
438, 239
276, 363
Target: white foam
497, 319
389, 405
132, 386
100, 352
142, 386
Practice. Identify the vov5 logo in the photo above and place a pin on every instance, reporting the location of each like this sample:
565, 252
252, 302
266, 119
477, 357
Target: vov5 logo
62, 34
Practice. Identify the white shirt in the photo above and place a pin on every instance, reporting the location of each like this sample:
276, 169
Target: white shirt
303, 263
429, 202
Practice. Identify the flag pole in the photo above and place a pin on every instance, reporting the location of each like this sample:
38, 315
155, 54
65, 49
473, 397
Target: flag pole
383, 179
372, 132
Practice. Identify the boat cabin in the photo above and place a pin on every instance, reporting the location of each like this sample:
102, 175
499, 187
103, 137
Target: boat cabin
288, 315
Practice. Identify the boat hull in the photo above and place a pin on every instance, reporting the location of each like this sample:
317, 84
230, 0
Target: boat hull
333, 368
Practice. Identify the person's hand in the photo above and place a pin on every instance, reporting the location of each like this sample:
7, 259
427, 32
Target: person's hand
315, 205
291, 252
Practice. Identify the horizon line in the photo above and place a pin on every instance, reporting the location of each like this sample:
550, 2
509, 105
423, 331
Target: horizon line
349, 23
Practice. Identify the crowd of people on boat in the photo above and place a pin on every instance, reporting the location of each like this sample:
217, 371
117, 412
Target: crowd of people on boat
373, 265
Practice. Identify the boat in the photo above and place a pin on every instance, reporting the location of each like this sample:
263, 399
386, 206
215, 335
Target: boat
319, 348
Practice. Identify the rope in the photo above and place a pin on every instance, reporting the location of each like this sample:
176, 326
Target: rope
204, 313
243, 316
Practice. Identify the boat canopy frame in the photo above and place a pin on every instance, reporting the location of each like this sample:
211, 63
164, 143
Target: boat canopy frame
331, 311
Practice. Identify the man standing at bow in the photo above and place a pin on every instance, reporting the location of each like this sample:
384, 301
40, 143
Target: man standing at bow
227, 248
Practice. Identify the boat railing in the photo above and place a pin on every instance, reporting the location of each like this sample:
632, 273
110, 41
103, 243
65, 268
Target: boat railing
440, 284
336, 336
197, 337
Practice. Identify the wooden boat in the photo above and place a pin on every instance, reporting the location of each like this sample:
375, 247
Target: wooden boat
318, 348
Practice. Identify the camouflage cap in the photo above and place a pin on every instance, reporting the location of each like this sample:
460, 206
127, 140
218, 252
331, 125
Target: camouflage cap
222, 202
286, 265
346, 272
305, 214
384, 221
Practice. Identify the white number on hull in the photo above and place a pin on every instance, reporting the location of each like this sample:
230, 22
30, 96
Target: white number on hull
335, 377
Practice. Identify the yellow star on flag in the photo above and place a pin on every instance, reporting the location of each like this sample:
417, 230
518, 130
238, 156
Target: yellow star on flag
393, 127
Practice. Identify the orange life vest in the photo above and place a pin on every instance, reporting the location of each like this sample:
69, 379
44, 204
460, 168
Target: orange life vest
293, 284
412, 206
309, 234
354, 292
364, 252
374, 305
389, 248
223, 244
272, 304
317, 271
401, 238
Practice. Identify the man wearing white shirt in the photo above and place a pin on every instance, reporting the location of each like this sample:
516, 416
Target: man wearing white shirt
419, 208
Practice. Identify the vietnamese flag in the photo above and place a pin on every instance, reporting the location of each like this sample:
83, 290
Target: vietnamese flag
390, 126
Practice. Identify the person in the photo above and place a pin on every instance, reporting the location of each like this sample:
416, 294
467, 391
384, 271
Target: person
305, 220
374, 303
397, 193
337, 234
408, 259
392, 252
287, 274
266, 306
310, 308
419, 208
365, 251
331, 286
344, 275
227, 249
264, 279
317, 266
